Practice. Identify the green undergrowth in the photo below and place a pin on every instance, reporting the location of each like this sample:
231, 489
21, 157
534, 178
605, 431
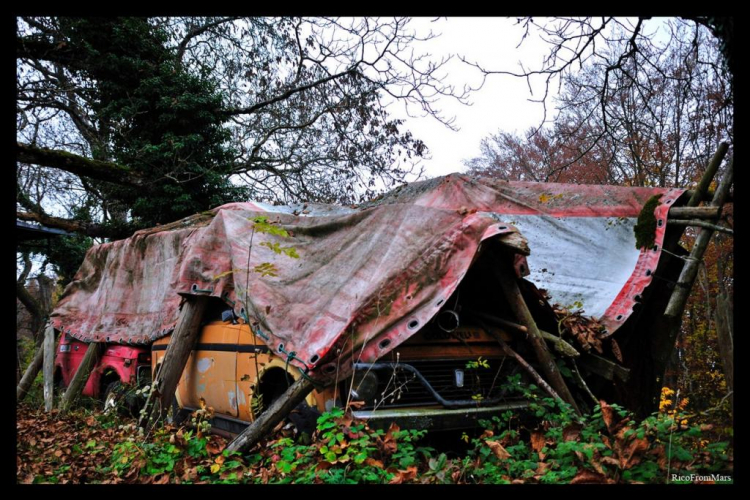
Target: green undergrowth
544, 443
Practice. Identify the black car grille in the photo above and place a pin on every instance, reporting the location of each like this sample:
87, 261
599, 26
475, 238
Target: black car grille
399, 385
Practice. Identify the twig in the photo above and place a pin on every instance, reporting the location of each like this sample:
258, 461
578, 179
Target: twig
583, 384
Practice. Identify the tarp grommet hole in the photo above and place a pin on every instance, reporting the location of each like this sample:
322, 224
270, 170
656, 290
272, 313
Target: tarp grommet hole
314, 359
384, 343
413, 324
440, 302
619, 317
329, 368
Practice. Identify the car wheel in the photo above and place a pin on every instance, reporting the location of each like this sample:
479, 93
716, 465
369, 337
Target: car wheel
176, 416
112, 397
59, 386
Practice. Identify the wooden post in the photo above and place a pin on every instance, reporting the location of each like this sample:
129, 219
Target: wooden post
681, 292
30, 374
558, 343
181, 344
648, 343
668, 327
700, 223
507, 279
713, 166
526, 366
48, 347
75, 388
709, 213
279, 409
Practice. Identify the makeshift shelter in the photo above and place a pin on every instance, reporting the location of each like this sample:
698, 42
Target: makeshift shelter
373, 273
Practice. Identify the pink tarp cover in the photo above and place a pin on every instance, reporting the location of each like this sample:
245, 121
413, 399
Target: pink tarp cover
367, 278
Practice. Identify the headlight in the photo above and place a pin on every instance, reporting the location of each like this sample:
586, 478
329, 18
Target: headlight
364, 386
64, 347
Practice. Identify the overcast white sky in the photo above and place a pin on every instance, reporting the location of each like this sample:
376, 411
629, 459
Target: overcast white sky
503, 102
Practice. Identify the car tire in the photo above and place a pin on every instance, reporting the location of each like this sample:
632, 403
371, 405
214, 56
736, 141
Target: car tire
112, 397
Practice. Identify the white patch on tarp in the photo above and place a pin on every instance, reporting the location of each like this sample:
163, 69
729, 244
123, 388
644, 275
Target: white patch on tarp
579, 259
305, 209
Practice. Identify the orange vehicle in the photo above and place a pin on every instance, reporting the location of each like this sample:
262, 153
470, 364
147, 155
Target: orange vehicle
441, 378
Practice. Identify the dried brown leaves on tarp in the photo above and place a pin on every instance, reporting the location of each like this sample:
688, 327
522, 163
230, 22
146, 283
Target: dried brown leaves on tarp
586, 331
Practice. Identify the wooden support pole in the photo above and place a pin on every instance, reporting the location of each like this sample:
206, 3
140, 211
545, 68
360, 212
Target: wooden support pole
701, 191
700, 223
266, 421
604, 367
48, 346
507, 279
559, 344
650, 343
708, 213
524, 364
181, 344
498, 321
75, 388
30, 374
681, 292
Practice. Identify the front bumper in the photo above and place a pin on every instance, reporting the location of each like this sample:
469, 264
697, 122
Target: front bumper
435, 418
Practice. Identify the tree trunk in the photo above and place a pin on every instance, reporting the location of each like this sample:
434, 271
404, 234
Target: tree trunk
725, 333
279, 409
180, 346
30, 375
81, 377
49, 367
512, 293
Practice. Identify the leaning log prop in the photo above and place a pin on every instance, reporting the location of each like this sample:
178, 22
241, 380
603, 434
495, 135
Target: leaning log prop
75, 388
181, 344
649, 344
266, 421
522, 362
30, 374
681, 292
506, 276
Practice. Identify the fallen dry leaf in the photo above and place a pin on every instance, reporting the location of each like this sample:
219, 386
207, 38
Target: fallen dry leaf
500, 452
585, 476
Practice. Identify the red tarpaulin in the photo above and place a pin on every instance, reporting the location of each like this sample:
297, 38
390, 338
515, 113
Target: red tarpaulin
374, 273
